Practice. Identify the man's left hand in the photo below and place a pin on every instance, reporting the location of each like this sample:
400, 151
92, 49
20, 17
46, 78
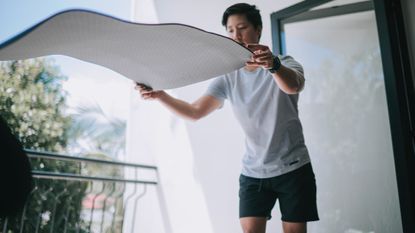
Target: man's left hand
262, 56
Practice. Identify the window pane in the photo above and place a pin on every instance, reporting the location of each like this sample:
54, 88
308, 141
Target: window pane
346, 124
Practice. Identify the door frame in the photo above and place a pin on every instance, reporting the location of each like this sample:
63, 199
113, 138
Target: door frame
398, 78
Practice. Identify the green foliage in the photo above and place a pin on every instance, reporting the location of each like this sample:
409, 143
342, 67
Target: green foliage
32, 102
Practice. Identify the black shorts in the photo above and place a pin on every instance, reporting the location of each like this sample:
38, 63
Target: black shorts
296, 192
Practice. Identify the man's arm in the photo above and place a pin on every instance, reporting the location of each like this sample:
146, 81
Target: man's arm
289, 80
194, 111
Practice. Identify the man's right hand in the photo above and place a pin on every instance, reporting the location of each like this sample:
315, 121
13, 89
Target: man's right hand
147, 92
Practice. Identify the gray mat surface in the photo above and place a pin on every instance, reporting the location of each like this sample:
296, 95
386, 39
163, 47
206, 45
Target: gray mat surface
162, 56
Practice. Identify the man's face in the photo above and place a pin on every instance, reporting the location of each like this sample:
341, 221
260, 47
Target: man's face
241, 30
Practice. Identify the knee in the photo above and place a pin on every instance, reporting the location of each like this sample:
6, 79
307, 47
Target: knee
251, 230
253, 225
294, 227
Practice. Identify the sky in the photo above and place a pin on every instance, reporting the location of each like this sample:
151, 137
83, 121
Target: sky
17, 15
87, 83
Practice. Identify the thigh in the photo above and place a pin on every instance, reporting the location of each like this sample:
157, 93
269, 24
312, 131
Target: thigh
254, 199
297, 195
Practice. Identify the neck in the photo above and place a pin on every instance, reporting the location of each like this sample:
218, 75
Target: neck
250, 68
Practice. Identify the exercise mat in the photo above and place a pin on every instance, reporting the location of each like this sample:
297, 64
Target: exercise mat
162, 56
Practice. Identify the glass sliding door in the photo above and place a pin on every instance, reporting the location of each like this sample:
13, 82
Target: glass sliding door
345, 118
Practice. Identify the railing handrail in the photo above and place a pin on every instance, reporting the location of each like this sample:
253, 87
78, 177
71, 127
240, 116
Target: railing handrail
68, 176
50, 155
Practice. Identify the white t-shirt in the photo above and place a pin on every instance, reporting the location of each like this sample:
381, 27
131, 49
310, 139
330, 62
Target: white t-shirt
269, 117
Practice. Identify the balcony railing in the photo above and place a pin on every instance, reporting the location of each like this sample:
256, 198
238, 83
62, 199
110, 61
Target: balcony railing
77, 194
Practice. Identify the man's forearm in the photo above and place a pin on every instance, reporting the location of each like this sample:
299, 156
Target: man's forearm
289, 81
179, 107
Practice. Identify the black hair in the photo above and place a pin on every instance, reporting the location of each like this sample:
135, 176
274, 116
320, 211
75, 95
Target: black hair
250, 11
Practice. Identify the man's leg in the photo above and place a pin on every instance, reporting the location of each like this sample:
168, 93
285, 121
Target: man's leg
297, 196
294, 227
253, 224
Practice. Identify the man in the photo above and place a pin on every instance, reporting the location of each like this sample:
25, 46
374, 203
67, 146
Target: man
264, 96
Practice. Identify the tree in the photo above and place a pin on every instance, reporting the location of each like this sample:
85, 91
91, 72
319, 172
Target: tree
32, 102
94, 131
